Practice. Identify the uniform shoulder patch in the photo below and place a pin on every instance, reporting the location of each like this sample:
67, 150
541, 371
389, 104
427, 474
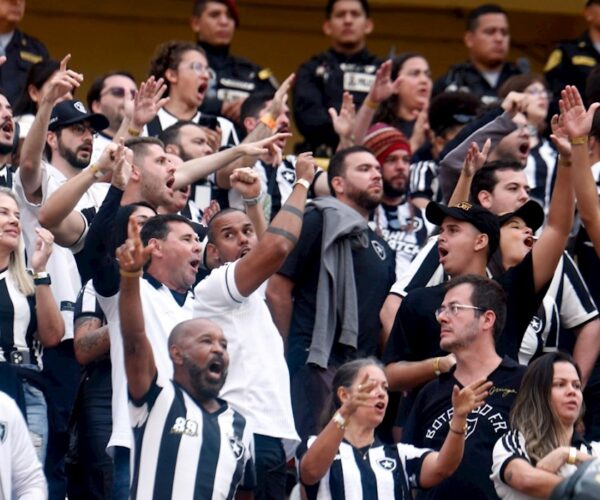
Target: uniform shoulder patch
554, 60
265, 73
583, 61
30, 57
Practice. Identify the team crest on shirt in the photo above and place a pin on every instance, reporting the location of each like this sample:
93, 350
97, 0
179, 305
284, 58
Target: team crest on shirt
471, 426
237, 447
535, 324
379, 250
388, 464
289, 176
3, 431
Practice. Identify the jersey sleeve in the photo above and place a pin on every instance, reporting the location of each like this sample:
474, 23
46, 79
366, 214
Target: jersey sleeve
87, 304
218, 292
509, 447
424, 270
577, 305
412, 457
423, 180
139, 409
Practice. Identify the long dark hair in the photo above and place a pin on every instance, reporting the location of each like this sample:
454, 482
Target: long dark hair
345, 377
388, 109
39, 73
532, 412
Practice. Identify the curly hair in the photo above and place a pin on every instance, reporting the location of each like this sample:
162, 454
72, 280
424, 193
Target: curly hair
168, 55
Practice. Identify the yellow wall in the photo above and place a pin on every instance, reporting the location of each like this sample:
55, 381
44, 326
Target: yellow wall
121, 34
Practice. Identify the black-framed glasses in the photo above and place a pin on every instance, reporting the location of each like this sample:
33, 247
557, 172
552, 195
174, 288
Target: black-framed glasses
119, 92
453, 309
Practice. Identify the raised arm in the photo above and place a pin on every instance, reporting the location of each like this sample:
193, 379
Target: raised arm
246, 182
198, 168
474, 161
549, 248
58, 213
281, 236
33, 147
343, 122
139, 360
50, 323
437, 466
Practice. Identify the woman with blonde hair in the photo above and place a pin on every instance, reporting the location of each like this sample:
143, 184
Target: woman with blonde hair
29, 315
542, 448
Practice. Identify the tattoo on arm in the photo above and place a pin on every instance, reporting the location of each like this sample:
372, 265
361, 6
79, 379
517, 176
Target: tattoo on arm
293, 210
90, 335
282, 232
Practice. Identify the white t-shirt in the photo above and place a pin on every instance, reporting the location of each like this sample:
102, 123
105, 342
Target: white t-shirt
512, 446
61, 266
161, 314
258, 381
20, 468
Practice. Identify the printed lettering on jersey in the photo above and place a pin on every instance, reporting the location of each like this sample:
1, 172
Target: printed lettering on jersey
185, 426
237, 84
485, 413
379, 250
3, 431
227, 95
237, 447
388, 464
358, 82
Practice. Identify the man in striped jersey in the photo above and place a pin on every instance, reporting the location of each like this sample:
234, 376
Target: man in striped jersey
188, 443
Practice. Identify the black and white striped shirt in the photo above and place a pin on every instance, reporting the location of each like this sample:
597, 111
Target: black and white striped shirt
377, 472
18, 322
182, 452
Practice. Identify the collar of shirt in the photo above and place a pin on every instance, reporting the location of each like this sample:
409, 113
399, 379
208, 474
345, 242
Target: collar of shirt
180, 297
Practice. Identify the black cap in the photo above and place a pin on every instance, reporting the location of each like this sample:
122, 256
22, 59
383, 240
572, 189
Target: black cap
531, 212
480, 217
72, 111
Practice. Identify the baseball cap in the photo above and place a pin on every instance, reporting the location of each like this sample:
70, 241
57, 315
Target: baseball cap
480, 217
383, 140
531, 212
72, 111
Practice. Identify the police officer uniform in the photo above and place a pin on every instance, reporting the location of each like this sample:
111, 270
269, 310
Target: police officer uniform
466, 77
234, 78
22, 52
571, 63
320, 84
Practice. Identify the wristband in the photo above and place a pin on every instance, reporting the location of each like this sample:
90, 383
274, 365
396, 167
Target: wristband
572, 456
339, 420
95, 169
436, 366
269, 121
564, 163
41, 278
250, 202
302, 182
133, 132
578, 141
371, 104
131, 274
463, 432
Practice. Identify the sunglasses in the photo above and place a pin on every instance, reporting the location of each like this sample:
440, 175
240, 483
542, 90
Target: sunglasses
119, 92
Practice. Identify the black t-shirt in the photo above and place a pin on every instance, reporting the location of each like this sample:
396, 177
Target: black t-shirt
428, 422
374, 273
416, 333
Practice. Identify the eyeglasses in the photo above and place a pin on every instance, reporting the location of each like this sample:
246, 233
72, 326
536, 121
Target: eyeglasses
199, 68
119, 92
453, 309
80, 129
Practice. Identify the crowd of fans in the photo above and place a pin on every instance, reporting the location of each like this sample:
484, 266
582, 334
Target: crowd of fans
404, 307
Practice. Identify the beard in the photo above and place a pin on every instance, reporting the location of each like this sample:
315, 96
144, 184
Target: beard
204, 389
393, 192
72, 158
366, 200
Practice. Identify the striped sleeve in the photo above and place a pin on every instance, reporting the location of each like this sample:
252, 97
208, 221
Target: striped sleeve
412, 459
423, 180
424, 270
87, 304
577, 306
509, 447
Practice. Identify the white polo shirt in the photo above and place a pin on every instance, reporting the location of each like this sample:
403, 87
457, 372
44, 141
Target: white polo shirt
161, 314
61, 266
258, 381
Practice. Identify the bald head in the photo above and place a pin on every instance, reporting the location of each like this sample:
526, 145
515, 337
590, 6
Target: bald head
187, 330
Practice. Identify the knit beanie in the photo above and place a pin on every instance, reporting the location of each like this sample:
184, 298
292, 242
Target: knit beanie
383, 139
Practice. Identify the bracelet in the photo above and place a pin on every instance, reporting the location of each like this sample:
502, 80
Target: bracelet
133, 132
131, 274
339, 420
370, 104
269, 121
95, 169
302, 182
41, 278
572, 460
250, 202
460, 433
436, 366
578, 141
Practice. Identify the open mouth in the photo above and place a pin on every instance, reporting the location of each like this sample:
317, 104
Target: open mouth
170, 182
216, 367
524, 148
529, 241
380, 405
442, 252
7, 127
195, 263
202, 88
244, 251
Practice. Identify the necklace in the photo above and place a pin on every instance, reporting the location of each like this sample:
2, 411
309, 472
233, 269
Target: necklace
364, 451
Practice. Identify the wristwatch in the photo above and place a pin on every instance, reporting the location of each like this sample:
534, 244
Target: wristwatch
41, 278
